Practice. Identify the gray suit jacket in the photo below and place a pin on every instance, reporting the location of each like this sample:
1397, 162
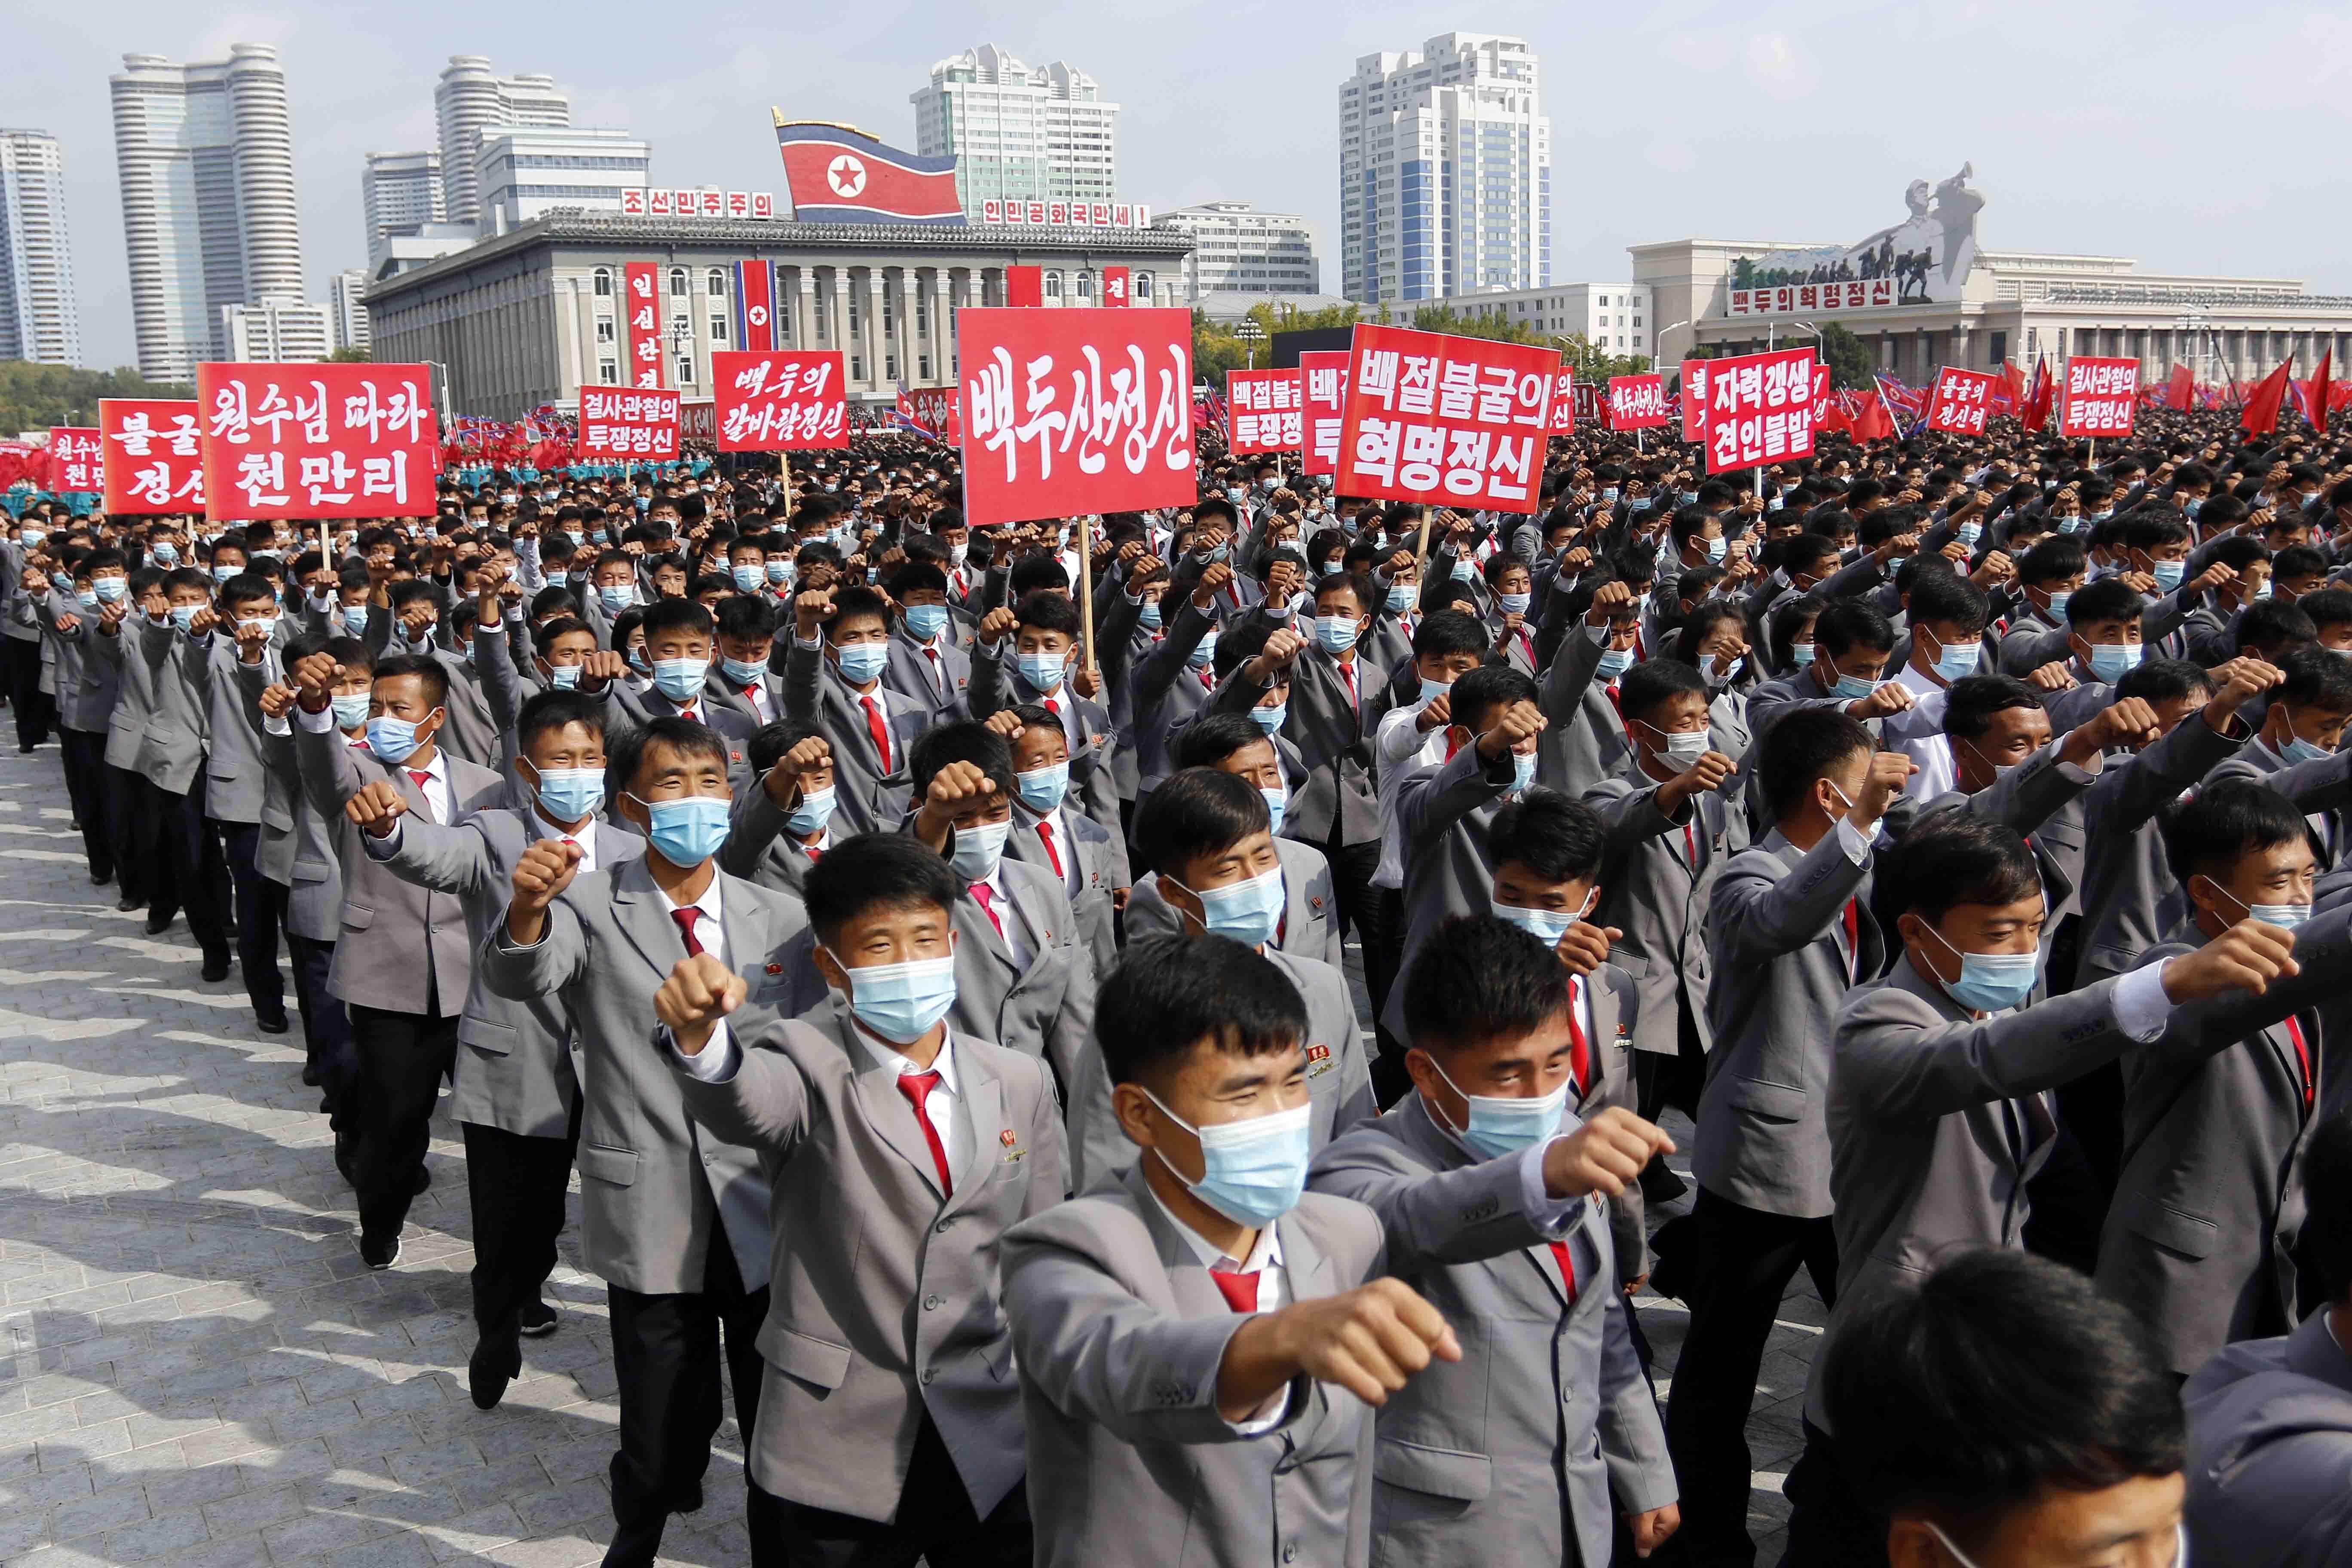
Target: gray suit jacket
1587, 739
1334, 737
134, 698
1443, 810
86, 681
1117, 1332
2199, 1240
862, 1234
172, 746
2270, 1452
910, 673
297, 847
1310, 910
868, 798
626, 709
1165, 692
1521, 1439
514, 1068
234, 787
2323, 787
1098, 869
2130, 896
1651, 892
654, 1190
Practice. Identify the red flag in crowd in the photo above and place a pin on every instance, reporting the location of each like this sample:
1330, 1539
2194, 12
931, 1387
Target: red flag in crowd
2010, 397
2037, 399
2315, 405
1871, 421
2181, 394
2262, 411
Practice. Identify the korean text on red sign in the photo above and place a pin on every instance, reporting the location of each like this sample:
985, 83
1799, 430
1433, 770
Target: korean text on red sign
780, 400
318, 440
1759, 409
1074, 411
153, 459
1453, 421
2100, 395
76, 459
1636, 402
1960, 401
1267, 411
641, 338
1323, 380
1807, 298
623, 425
1564, 402
1695, 399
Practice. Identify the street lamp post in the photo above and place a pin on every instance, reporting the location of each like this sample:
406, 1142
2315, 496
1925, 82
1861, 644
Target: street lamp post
1251, 333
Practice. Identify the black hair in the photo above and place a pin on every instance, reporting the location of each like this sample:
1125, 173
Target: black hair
1945, 595
2225, 821
1848, 623
1651, 682
1168, 994
424, 667
1953, 857
246, 587
1214, 736
1478, 979
2107, 599
1048, 612
2274, 625
746, 615
968, 741
553, 710
2054, 560
1196, 811
1448, 633
886, 870
1970, 702
1800, 747
2164, 680
1999, 1375
1478, 695
2314, 678
624, 752
543, 638
675, 614
1034, 574
859, 601
2327, 607
1558, 839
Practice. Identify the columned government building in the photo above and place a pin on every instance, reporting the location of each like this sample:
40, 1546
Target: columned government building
532, 316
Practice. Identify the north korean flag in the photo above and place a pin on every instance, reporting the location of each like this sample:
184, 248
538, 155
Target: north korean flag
837, 174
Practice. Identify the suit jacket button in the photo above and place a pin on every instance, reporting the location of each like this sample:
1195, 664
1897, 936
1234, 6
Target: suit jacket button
1290, 1552
927, 1375
930, 1303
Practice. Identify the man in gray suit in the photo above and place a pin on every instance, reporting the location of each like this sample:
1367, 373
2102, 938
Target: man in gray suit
1198, 1343
833, 665
2297, 750
901, 1150
247, 631
674, 1216
1492, 1196
171, 758
927, 656
784, 826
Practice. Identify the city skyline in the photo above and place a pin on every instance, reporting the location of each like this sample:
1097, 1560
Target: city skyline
1669, 123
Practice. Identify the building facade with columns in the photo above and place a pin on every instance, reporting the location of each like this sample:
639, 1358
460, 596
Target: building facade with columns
532, 316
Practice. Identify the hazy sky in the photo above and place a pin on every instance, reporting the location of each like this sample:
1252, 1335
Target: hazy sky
2194, 138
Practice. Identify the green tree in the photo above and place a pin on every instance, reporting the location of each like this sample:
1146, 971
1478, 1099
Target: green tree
36, 396
1846, 355
350, 356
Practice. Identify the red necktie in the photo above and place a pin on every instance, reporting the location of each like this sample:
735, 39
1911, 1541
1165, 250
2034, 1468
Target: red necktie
686, 918
988, 905
814, 855
2303, 1055
689, 715
1853, 938
420, 780
917, 1087
1690, 845
1240, 1290
1045, 837
1579, 1053
939, 671
1347, 673
1053, 707
879, 730
1567, 1270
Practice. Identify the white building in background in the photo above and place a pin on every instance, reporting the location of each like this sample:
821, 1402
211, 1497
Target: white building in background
522, 173
1237, 249
400, 193
1612, 317
1445, 172
472, 101
347, 299
1018, 132
206, 164
37, 319
277, 331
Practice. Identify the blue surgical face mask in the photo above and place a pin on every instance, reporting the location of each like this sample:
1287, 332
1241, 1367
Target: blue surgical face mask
861, 662
1205, 650
391, 739
749, 577
1277, 801
2262, 590
1501, 1126
350, 711
2071, 524
680, 679
1335, 634
1042, 789
1463, 571
688, 831
1614, 662
1249, 911
2111, 661
1991, 982
2058, 602
778, 571
1972, 532
1270, 717
1801, 654
1522, 770
2168, 573
616, 597
563, 676
87, 599
743, 671
185, 616
1609, 495
1957, 660
1515, 604
1716, 546
1399, 597
1149, 616
815, 810
1546, 926
1252, 1172
568, 794
925, 622
978, 848
109, 589
902, 1001
1043, 670
223, 573
1853, 687
166, 553
1433, 688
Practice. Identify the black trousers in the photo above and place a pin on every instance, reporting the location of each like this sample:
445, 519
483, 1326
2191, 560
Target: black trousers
1361, 909
260, 910
402, 1058
1829, 1525
84, 753
189, 855
935, 1524
1738, 1262
329, 1054
21, 660
666, 1353
516, 1185
133, 832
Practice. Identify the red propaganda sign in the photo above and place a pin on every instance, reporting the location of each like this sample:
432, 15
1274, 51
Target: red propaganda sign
1564, 402
938, 409
1695, 398
1636, 402
1961, 400
641, 326
75, 459
155, 456
780, 400
2100, 396
1759, 409
1074, 411
1115, 283
698, 419
1323, 379
623, 424
1453, 421
1266, 411
318, 440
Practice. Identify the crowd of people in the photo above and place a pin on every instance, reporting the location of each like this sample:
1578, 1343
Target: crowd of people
1144, 1038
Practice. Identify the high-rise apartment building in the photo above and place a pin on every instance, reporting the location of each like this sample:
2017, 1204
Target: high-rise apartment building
37, 320
471, 102
1237, 249
522, 173
400, 193
1017, 133
1445, 172
347, 304
206, 165
281, 331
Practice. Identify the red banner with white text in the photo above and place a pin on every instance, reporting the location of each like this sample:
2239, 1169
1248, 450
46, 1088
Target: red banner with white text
1694, 390
1446, 420
624, 425
780, 400
640, 325
2100, 395
1960, 401
155, 459
1323, 382
75, 459
318, 440
1636, 402
1759, 409
1266, 408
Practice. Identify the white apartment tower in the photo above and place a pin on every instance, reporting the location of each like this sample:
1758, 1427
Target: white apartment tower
37, 320
1237, 249
1445, 172
472, 101
206, 165
347, 305
1017, 133
399, 192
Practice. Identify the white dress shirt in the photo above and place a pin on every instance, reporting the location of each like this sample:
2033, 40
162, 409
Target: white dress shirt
711, 930
1398, 748
1008, 917
942, 1108
1265, 1260
1918, 734
435, 787
585, 836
